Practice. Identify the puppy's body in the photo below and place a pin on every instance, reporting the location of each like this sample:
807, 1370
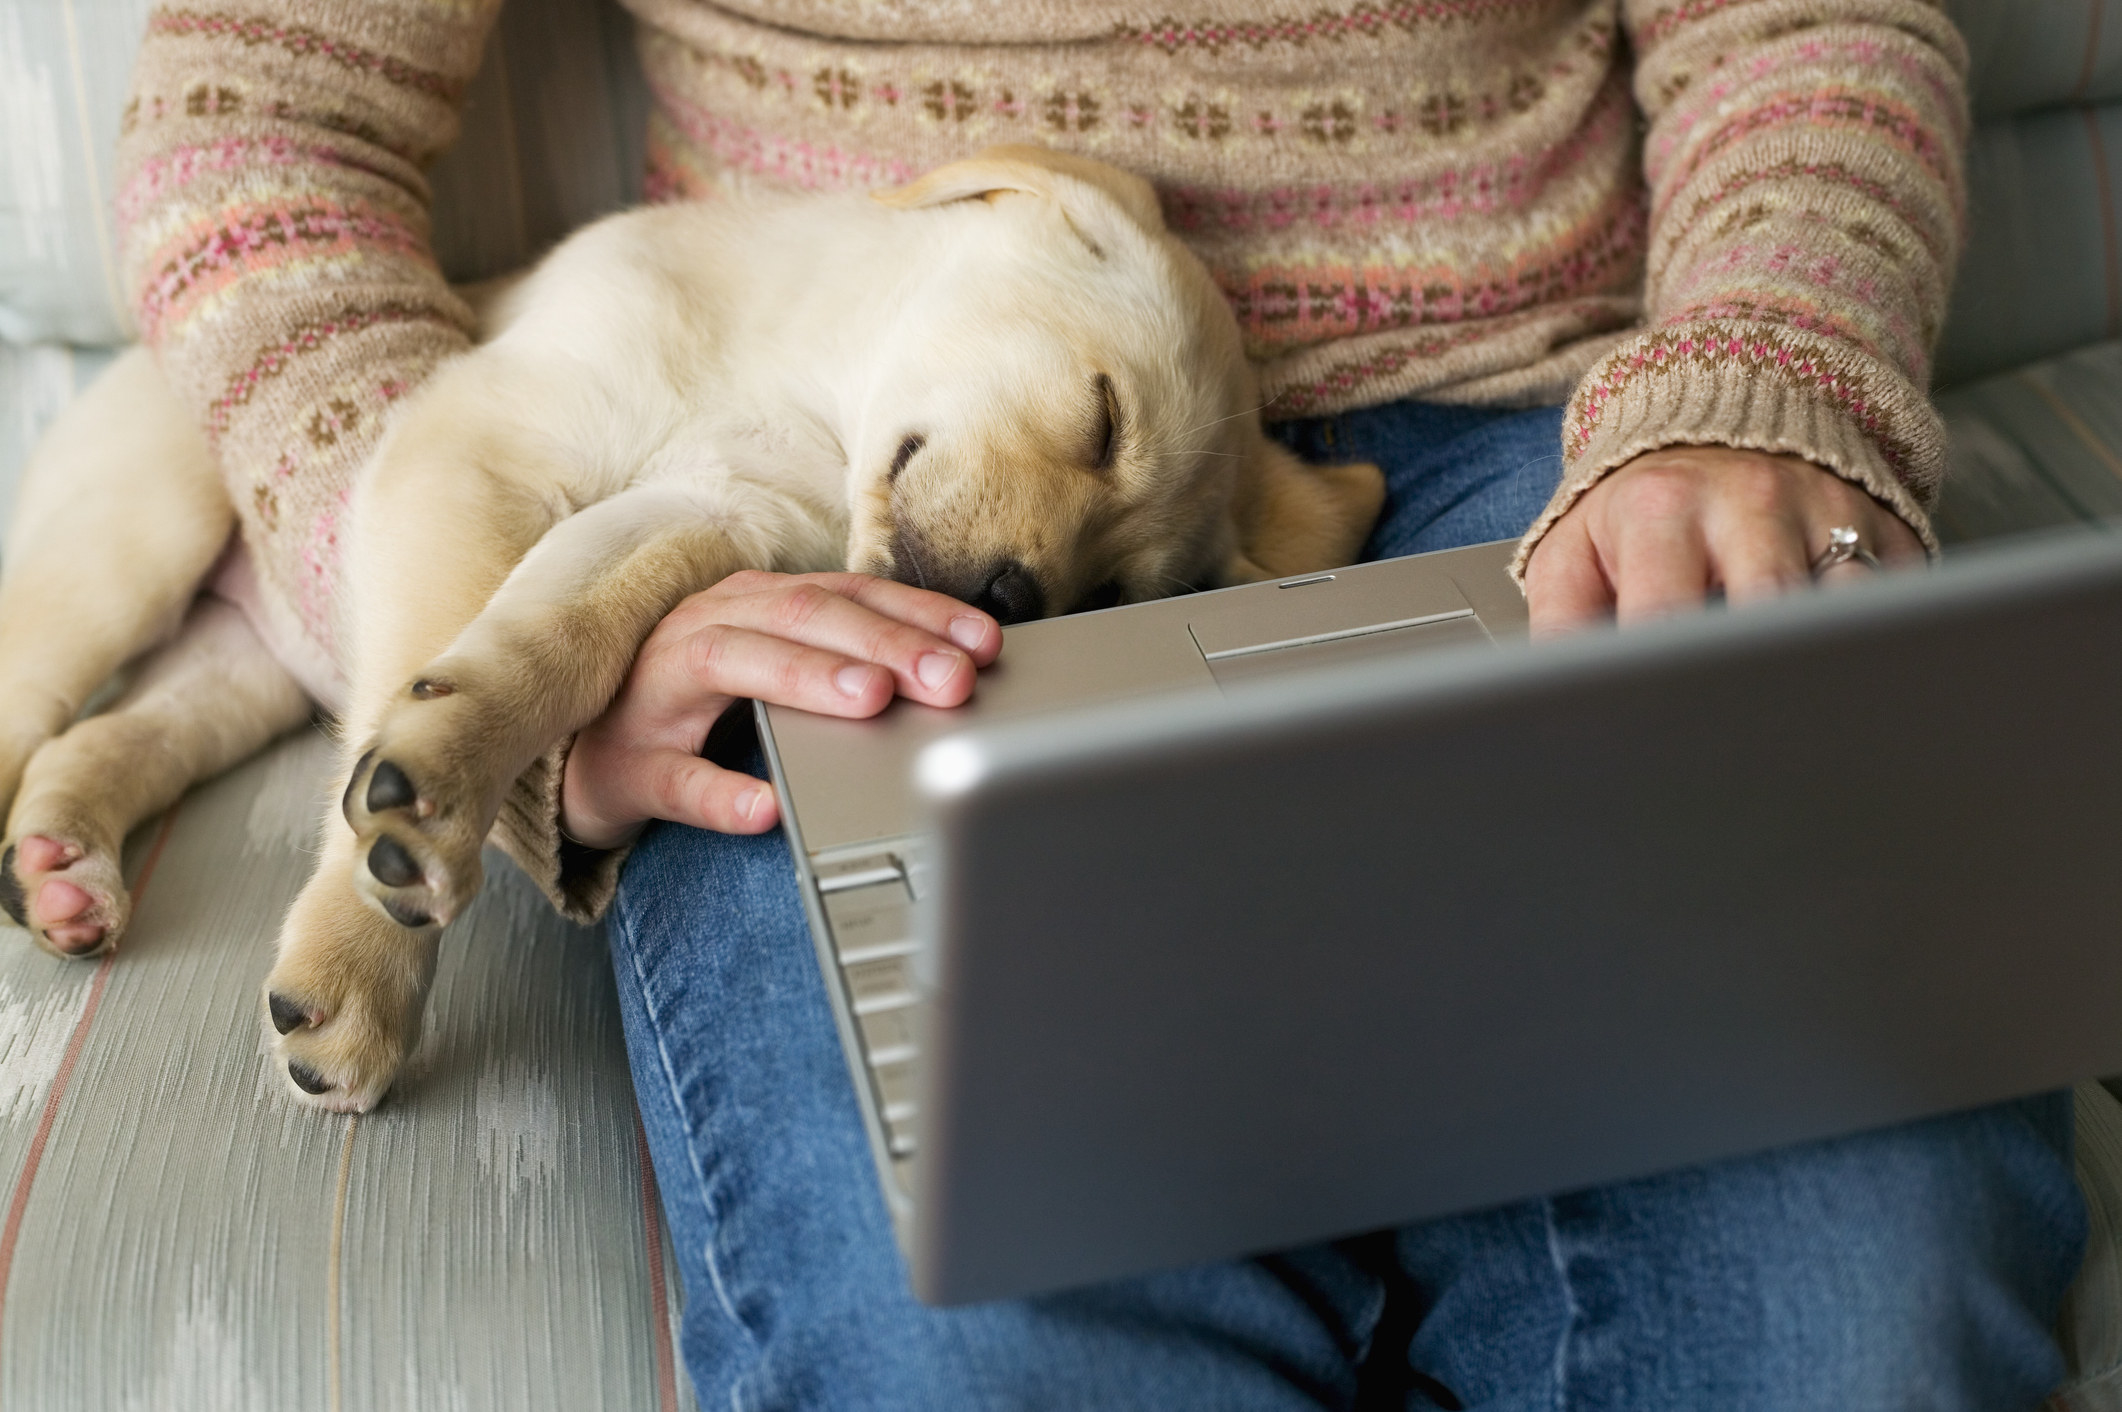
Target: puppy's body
1033, 401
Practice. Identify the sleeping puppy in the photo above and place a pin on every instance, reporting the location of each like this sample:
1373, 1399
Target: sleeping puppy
1006, 382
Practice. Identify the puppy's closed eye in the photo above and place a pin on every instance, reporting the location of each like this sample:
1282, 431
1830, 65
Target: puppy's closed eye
1105, 436
905, 453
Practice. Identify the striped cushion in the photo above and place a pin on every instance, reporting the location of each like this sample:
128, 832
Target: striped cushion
2037, 447
2042, 269
2031, 54
180, 1235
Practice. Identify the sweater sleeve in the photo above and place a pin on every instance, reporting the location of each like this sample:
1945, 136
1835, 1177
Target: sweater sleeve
1804, 170
274, 228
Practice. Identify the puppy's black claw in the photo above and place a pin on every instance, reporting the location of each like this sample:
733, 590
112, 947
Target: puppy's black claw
391, 865
411, 918
11, 898
286, 1013
308, 1079
388, 788
353, 782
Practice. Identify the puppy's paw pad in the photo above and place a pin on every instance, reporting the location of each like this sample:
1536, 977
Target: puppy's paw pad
288, 1013
418, 855
390, 788
71, 898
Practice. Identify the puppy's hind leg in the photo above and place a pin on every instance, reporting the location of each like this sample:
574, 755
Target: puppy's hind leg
199, 704
120, 516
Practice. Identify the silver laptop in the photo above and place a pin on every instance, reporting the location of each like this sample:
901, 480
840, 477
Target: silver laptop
1233, 921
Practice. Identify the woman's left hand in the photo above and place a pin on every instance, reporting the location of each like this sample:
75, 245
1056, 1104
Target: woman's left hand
1659, 534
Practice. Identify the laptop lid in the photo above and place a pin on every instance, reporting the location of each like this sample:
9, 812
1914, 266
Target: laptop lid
1238, 970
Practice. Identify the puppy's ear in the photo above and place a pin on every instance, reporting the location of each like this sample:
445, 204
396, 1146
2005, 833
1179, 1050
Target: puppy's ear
1070, 181
1297, 519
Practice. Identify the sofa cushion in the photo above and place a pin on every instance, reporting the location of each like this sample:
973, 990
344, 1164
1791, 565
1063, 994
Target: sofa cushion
2041, 272
2035, 448
2030, 54
180, 1235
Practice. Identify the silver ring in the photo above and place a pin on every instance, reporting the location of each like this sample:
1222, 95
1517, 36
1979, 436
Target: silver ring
1844, 546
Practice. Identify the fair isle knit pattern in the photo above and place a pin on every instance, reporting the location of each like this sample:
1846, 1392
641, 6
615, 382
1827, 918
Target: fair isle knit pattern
1725, 222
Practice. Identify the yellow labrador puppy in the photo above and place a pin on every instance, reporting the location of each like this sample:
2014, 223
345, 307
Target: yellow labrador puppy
1006, 382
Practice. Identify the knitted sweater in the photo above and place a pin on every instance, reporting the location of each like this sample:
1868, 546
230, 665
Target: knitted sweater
1722, 222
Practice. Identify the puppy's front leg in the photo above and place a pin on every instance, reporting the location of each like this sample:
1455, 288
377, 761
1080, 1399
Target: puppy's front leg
540, 662
546, 654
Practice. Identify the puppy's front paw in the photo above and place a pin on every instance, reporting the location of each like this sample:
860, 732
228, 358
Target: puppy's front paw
419, 823
344, 1001
69, 894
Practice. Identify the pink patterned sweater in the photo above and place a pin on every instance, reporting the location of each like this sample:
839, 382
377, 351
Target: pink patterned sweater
1726, 222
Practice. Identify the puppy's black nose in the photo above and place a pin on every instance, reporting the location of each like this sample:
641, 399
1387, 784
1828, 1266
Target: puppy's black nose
1010, 595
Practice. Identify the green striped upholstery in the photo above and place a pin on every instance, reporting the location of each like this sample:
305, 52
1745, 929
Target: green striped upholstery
2036, 447
179, 1235
2031, 54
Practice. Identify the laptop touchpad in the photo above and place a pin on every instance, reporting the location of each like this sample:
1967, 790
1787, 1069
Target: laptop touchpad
1324, 619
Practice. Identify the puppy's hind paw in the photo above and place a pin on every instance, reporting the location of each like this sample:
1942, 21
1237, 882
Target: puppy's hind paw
71, 896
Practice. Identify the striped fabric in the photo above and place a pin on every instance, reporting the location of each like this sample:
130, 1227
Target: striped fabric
2042, 270
2033, 54
2034, 448
178, 1236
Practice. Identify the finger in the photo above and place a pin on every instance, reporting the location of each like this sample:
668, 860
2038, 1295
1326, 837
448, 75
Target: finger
1758, 556
937, 614
670, 784
1564, 586
1841, 504
923, 665
723, 661
1893, 541
1661, 567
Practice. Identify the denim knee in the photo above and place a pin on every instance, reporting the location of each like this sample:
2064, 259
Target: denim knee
1917, 1266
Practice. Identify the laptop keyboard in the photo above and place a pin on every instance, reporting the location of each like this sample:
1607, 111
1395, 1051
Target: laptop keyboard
869, 899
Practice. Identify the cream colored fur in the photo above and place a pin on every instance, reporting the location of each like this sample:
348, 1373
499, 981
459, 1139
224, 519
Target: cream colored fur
1009, 362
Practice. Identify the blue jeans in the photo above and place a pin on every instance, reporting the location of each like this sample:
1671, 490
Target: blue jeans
1919, 1266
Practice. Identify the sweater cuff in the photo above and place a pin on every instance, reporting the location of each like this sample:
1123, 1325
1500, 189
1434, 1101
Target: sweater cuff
577, 879
1754, 389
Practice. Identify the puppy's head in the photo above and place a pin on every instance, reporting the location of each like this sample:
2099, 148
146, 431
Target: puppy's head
1064, 417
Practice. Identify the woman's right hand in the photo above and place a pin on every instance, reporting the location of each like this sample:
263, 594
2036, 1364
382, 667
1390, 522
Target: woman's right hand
837, 644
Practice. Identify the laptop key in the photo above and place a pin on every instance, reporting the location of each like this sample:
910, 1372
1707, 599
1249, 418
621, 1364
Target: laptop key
857, 872
884, 984
895, 1091
872, 921
888, 1035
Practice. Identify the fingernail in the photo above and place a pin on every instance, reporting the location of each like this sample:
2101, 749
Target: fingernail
852, 681
748, 804
935, 668
968, 632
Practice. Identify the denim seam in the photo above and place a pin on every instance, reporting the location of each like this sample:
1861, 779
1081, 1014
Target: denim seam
1569, 1304
692, 1152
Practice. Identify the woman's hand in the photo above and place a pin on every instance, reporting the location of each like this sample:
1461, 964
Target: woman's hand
837, 644
1658, 534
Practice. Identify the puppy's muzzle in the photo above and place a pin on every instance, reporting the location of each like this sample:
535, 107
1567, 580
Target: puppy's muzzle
1003, 588
1009, 594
